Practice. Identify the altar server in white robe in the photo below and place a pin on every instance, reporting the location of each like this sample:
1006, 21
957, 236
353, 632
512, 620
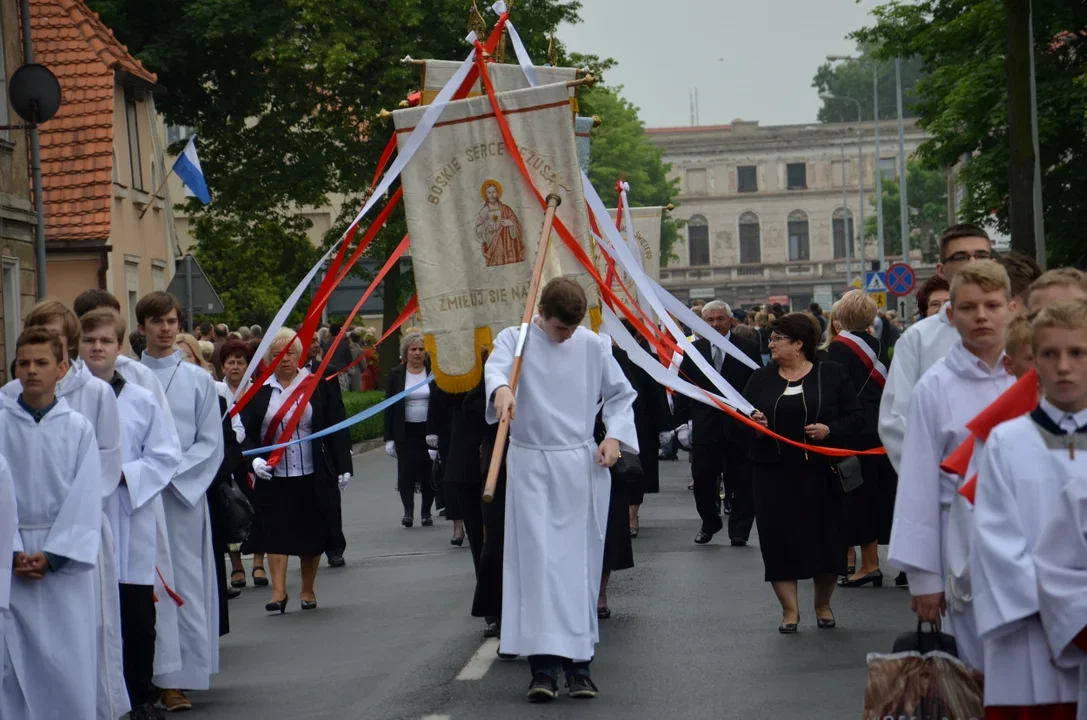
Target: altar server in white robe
167, 642
94, 400
194, 404
949, 395
9, 523
151, 456
50, 658
927, 341
558, 485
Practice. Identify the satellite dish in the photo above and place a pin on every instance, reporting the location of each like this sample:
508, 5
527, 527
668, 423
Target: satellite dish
34, 92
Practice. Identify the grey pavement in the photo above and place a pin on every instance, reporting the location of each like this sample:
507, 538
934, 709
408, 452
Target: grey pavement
693, 633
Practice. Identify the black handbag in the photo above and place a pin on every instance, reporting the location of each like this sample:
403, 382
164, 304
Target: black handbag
628, 468
236, 511
925, 642
848, 473
437, 472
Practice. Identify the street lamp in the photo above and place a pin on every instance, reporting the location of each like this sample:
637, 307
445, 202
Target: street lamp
860, 184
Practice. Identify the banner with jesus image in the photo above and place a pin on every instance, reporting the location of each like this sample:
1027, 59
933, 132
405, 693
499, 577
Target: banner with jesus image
475, 223
646, 249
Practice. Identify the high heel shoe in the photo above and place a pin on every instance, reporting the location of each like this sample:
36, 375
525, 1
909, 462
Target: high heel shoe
279, 606
789, 628
309, 604
875, 577
826, 623
458, 541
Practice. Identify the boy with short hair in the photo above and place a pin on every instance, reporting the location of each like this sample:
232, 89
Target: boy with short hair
1018, 346
50, 663
1023, 469
1058, 285
1022, 272
151, 455
947, 397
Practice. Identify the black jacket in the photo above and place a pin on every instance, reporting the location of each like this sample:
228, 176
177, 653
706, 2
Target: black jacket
711, 425
869, 392
394, 416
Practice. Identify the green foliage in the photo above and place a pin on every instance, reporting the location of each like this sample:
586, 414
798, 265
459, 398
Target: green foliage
927, 197
853, 79
370, 428
963, 103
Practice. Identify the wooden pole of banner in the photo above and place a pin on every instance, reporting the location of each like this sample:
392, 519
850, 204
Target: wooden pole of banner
553, 201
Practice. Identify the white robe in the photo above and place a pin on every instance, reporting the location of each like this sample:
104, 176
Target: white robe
948, 396
94, 399
1060, 560
194, 404
556, 495
916, 351
50, 663
9, 523
1019, 480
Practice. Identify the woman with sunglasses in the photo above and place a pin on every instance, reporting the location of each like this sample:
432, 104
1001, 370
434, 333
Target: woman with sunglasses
798, 497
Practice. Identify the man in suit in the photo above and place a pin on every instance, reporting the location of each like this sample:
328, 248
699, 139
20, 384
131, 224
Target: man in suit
719, 443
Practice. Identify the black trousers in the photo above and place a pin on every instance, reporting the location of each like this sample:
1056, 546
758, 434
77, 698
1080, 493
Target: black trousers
470, 502
336, 542
138, 641
708, 462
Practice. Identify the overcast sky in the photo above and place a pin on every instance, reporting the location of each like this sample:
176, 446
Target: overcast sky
769, 51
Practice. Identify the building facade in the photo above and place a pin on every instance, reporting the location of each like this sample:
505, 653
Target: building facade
765, 213
17, 218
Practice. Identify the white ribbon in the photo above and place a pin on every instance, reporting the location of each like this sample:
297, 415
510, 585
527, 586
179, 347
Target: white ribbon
632, 240
861, 346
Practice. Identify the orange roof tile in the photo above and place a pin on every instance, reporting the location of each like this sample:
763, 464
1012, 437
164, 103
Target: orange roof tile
77, 143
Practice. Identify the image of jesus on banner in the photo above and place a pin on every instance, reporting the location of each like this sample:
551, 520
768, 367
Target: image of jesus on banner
498, 228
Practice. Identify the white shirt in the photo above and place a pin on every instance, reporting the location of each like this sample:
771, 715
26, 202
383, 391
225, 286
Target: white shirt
297, 459
1069, 422
416, 404
915, 352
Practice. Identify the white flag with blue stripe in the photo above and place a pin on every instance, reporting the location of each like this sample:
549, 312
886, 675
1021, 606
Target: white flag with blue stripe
187, 167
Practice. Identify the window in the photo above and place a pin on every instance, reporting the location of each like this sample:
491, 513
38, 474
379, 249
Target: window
135, 164
796, 176
158, 277
798, 236
747, 178
888, 168
696, 182
177, 133
698, 240
13, 312
132, 289
750, 250
843, 227
4, 134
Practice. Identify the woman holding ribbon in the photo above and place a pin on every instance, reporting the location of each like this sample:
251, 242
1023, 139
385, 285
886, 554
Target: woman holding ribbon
291, 497
406, 436
797, 493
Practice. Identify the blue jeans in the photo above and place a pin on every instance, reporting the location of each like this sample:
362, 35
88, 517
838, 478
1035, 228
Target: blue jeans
553, 665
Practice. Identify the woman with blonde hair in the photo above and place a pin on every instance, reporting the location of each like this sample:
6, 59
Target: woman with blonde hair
291, 499
190, 348
833, 327
406, 436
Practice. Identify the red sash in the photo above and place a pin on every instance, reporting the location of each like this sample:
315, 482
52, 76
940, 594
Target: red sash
876, 369
277, 419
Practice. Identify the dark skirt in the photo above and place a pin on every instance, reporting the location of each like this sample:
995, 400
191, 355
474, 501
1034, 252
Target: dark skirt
487, 600
289, 517
868, 511
413, 464
798, 513
618, 550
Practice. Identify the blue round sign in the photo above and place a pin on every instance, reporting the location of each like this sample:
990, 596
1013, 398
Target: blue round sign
900, 279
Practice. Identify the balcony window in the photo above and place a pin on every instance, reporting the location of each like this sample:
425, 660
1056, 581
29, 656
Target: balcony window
747, 179
750, 245
698, 240
132, 121
799, 245
796, 176
843, 228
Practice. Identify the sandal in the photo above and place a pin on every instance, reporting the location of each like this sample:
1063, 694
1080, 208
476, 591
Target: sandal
603, 613
261, 581
238, 583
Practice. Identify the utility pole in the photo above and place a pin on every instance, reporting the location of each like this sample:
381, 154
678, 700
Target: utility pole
903, 205
879, 171
1039, 213
1021, 166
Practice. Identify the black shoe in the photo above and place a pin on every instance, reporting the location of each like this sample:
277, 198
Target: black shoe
581, 687
309, 604
826, 624
789, 628
738, 542
261, 581
543, 688
702, 537
277, 606
901, 581
336, 560
235, 580
491, 630
427, 521
876, 578
406, 521
726, 508
509, 656
603, 613
458, 541
143, 712
233, 592
634, 532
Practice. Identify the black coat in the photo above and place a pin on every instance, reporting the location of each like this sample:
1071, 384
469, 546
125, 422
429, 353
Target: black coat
711, 425
652, 416
869, 392
394, 416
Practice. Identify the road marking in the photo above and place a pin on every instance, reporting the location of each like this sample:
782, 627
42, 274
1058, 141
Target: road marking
481, 662
437, 717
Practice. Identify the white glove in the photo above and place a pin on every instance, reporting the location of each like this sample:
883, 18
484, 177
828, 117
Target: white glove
390, 448
343, 480
666, 437
261, 469
433, 454
683, 434
432, 441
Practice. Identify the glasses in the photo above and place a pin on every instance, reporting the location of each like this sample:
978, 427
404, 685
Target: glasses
965, 256
781, 338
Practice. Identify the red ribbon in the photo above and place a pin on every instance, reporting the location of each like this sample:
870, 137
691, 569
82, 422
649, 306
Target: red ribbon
410, 309
169, 591
289, 403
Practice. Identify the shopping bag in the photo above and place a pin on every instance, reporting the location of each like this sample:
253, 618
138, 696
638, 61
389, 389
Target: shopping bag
915, 686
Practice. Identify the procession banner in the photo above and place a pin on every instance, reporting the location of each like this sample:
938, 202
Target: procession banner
583, 127
475, 223
436, 73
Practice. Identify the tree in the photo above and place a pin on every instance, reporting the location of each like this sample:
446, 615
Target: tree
620, 149
927, 200
963, 104
853, 79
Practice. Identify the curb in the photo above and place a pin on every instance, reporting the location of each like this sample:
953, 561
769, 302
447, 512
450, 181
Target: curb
367, 446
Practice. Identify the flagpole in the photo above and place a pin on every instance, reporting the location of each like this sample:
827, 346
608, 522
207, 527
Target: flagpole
155, 194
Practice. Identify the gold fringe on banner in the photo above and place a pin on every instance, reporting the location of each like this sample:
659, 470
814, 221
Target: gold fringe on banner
459, 383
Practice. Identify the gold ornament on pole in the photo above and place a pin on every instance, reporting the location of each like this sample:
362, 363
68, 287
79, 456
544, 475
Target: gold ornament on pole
553, 51
476, 23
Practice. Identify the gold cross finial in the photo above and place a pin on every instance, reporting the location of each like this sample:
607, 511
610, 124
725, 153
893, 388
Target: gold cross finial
553, 50
476, 23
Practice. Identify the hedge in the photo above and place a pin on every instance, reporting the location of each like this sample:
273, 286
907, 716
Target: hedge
372, 427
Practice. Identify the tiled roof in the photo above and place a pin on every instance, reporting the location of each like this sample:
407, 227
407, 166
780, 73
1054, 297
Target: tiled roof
77, 143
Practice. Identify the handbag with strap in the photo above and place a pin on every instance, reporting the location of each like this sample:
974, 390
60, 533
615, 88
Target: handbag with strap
628, 468
924, 642
236, 511
847, 470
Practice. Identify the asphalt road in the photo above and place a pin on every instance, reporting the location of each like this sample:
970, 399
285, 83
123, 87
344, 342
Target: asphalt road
693, 633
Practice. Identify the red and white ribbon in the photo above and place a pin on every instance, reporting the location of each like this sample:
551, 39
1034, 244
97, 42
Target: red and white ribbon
876, 369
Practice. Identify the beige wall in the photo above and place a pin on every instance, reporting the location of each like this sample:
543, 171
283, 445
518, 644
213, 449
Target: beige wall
68, 275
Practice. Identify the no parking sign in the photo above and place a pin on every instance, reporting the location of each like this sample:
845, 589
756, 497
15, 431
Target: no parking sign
900, 279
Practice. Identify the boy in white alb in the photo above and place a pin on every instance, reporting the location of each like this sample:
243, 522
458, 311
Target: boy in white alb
1022, 472
50, 656
948, 396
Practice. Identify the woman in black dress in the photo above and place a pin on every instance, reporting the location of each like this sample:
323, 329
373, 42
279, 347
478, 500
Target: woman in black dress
868, 510
292, 500
797, 497
406, 429
444, 434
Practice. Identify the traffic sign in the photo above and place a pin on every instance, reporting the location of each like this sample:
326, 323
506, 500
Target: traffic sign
875, 282
857, 283
880, 298
900, 279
